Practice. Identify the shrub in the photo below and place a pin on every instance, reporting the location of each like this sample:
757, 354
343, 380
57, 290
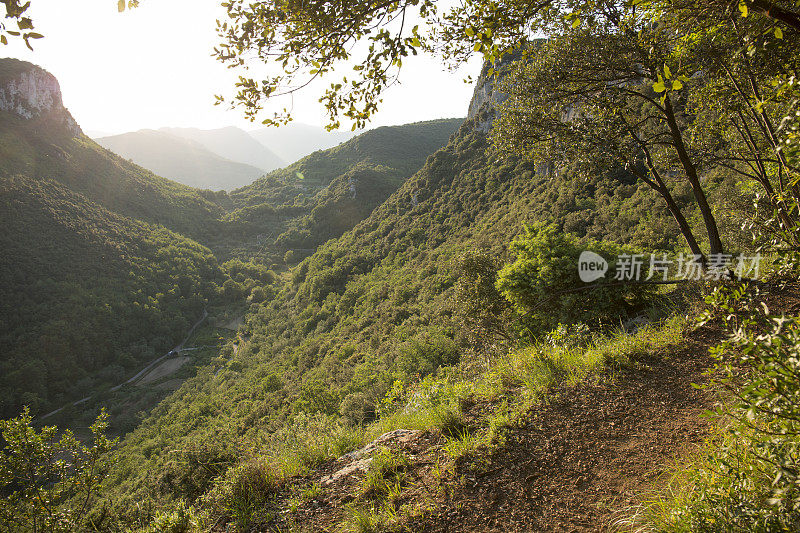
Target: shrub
242, 495
46, 480
179, 520
386, 471
543, 283
484, 316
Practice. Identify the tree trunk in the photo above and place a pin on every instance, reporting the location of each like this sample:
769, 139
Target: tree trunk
714, 240
767, 8
686, 230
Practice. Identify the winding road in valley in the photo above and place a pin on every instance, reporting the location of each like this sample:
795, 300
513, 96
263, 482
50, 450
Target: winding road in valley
175, 351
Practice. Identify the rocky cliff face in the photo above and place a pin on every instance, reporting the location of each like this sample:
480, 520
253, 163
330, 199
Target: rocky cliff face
486, 97
32, 93
484, 101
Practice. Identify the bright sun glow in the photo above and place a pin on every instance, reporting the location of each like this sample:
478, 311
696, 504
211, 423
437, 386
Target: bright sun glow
152, 67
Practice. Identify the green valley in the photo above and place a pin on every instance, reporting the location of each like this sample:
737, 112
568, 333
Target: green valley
575, 309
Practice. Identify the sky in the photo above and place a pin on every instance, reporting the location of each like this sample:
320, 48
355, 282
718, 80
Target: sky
152, 67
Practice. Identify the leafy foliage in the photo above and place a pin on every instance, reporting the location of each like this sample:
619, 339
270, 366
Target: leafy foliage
40, 471
543, 282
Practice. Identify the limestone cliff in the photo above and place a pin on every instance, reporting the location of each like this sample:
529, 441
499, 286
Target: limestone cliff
486, 97
32, 93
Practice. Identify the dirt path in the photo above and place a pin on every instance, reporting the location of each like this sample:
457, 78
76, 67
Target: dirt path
167, 368
142, 372
586, 454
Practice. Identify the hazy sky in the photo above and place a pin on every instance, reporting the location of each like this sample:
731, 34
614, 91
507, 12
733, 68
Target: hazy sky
152, 67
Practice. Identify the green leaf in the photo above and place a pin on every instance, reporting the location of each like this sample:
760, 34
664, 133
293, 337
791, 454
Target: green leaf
477, 47
778, 33
576, 22
743, 8
659, 86
667, 72
677, 85
470, 31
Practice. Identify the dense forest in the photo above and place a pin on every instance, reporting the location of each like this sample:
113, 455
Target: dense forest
421, 282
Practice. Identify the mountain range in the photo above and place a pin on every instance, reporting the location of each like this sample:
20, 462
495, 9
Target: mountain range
223, 158
182, 158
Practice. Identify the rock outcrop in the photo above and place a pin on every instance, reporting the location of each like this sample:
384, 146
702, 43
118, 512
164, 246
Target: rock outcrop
486, 97
32, 93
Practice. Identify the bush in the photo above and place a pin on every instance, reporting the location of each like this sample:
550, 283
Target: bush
179, 520
484, 316
242, 495
543, 283
47, 480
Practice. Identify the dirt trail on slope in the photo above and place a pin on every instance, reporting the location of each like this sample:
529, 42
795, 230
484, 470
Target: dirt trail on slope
166, 368
588, 453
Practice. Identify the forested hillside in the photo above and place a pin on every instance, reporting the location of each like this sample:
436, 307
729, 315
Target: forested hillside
575, 310
102, 266
377, 306
88, 296
328, 192
41, 149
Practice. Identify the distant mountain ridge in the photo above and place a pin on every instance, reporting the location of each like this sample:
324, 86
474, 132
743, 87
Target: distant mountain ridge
181, 159
234, 144
294, 141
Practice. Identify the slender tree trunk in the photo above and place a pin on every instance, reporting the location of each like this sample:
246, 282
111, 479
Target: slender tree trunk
686, 230
767, 8
714, 240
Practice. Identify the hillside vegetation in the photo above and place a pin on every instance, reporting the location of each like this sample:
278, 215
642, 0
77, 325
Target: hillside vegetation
328, 192
103, 270
41, 149
380, 305
92, 297
428, 354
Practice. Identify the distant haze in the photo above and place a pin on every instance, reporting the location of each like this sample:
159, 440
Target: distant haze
223, 158
234, 144
295, 141
152, 67
183, 160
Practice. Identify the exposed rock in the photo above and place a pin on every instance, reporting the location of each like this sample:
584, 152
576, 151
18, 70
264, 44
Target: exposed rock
635, 324
359, 460
31, 92
486, 97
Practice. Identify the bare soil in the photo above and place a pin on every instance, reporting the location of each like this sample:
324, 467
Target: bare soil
166, 368
588, 453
